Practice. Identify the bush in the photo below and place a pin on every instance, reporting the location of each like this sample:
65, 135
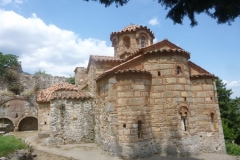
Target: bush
232, 149
9, 144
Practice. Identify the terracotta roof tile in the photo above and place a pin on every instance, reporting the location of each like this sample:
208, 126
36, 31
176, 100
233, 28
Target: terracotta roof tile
132, 28
106, 58
47, 94
122, 71
198, 68
203, 75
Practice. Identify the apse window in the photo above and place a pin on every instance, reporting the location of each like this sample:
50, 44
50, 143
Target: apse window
184, 123
212, 121
179, 70
139, 129
142, 41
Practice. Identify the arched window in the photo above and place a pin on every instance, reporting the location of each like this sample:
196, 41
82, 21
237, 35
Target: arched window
179, 70
184, 123
126, 41
142, 41
139, 129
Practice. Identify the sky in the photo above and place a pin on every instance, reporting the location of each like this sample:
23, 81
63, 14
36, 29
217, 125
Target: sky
56, 36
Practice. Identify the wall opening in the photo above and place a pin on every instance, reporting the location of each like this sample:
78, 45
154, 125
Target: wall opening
159, 73
139, 129
184, 123
126, 41
212, 121
10, 127
142, 41
28, 124
178, 70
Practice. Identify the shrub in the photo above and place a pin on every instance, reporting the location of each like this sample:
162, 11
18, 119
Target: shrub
9, 144
232, 149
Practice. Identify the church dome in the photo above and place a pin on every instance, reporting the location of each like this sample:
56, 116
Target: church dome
132, 28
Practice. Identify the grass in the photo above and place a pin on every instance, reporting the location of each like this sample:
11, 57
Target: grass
9, 144
233, 149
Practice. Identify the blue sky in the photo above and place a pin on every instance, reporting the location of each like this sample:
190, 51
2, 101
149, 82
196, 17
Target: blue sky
58, 35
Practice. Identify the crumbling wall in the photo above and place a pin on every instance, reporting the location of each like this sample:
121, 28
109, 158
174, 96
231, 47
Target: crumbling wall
71, 121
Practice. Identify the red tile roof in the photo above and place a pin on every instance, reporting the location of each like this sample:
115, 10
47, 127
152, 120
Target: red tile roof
196, 67
123, 71
61, 90
132, 28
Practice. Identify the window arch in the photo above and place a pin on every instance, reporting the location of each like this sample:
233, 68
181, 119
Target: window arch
212, 124
179, 70
183, 111
143, 41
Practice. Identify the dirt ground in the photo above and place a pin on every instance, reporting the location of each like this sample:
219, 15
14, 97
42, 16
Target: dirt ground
93, 152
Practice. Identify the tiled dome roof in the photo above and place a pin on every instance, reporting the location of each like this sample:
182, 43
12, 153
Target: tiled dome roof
61, 90
132, 28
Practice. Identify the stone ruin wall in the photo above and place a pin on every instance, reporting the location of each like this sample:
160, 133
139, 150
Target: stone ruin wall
71, 121
210, 131
15, 110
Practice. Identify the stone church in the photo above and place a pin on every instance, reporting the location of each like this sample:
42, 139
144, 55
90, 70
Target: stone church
148, 98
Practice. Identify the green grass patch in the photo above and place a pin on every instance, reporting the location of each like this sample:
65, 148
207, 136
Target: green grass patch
9, 144
233, 149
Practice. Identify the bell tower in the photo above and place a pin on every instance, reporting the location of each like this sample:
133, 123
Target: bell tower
129, 39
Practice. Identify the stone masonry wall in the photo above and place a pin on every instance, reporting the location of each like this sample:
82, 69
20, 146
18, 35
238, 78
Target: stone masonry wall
17, 108
209, 124
71, 121
43, 120
171, 98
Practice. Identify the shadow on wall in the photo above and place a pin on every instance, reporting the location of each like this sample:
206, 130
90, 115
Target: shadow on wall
28, 124
10, 127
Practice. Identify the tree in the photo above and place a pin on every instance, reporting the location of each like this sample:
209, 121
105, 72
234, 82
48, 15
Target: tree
225, 11
42, 73
8, 61
228, 107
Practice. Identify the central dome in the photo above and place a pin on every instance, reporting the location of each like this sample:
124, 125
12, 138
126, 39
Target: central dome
131, 27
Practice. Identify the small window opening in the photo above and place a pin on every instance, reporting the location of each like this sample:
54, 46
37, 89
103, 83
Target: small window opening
16, 116
211, 98
124, 125
159, 73
212, 121
139, 129
184, 123
185, 99
142, 41
126, 41
178, 70
45, 123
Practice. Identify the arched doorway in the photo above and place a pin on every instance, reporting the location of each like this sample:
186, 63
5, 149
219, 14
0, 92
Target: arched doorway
10, 127
28, 124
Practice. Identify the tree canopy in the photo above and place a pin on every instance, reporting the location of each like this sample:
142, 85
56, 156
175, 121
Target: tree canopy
224, 11
8, 61
229, 111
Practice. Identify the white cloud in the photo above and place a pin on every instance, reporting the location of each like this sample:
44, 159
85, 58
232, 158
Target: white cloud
5, 2
46, 47
154, 21
235, 86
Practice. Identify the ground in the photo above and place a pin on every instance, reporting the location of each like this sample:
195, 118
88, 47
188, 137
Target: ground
90, 151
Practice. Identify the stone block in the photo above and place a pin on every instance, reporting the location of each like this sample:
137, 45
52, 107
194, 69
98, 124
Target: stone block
125, 94
160, 101
200, 94
166, 72
137, 87
122, 101
157, 107
123, 88
196, 88
202, 118
166, 94
170, 80
158, 88
178, 87
136, 93
157, 81
182, 80
169, 87
136, 101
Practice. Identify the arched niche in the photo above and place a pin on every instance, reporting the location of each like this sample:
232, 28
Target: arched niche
28, 124
8, 121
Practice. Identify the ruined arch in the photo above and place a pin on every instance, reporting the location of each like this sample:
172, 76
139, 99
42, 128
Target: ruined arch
6, 120
28, 123
20, 98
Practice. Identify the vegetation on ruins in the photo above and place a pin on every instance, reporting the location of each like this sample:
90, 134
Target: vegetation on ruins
9, 144
71, 80
42, 73
223, 11
8, 73
230, 117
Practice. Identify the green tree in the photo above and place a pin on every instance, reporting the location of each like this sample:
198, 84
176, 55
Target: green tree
225, 11
71, 80
228, 107
8, 61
